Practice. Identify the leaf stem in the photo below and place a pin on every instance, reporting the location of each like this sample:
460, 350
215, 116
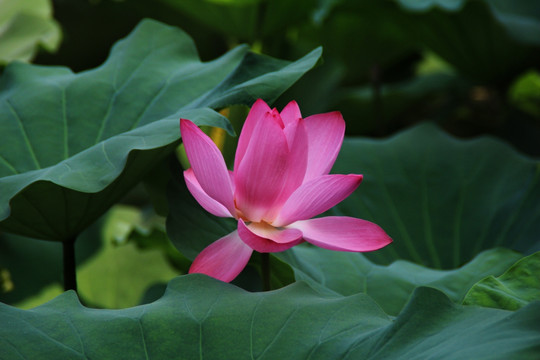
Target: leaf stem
70, 275
265, 266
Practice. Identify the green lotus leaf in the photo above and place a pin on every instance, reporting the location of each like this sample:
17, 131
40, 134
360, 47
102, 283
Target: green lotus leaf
73, 144
442, 200
202, 317
390, 286
512, 290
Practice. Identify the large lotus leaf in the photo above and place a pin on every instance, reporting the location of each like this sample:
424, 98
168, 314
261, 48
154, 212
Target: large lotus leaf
512, 290
25, 26
73, 144
392, 285
201, 317
443, 200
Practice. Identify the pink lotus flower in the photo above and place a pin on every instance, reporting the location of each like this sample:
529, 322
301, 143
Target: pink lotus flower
280, 181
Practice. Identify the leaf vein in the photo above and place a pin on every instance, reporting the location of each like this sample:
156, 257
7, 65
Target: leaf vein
14, 348
24, 133
395, 213
47, 336
139, 322
279, 332
117, 91
9, 165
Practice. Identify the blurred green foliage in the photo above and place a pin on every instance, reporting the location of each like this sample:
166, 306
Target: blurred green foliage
376, 53
24, 27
